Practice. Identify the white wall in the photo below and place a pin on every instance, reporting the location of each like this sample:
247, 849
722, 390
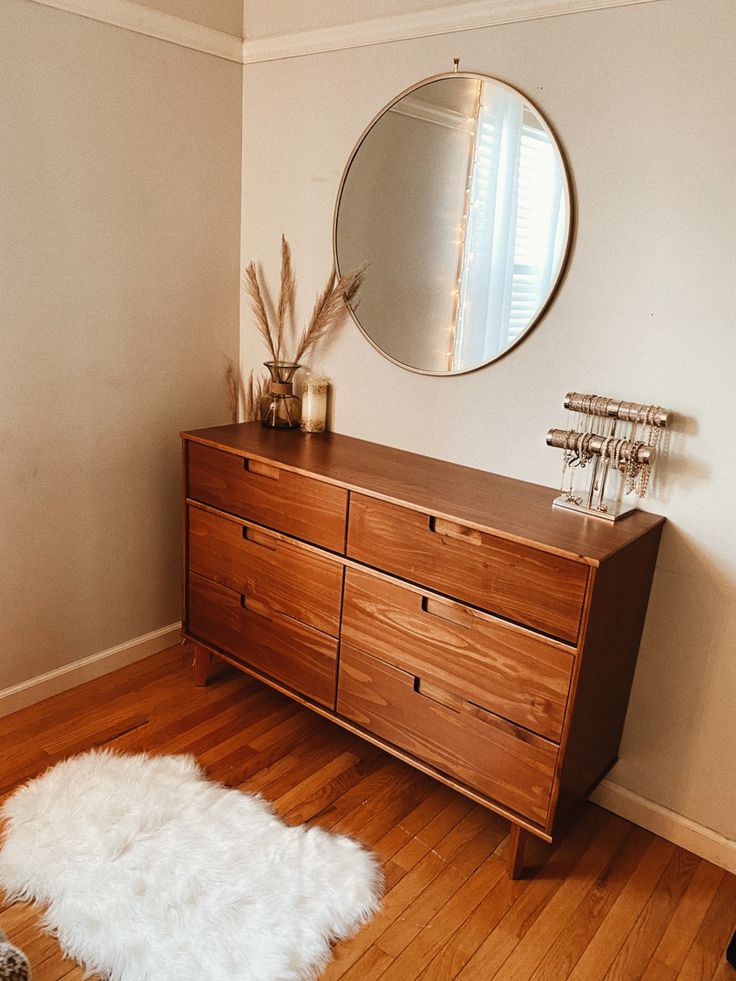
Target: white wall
119, 239
641, 97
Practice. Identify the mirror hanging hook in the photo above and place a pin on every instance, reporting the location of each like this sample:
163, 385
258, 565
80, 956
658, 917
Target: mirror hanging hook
455, 64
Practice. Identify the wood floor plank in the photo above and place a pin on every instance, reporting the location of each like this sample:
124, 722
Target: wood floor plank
61, 969
433, 832
197, 726
263, 720
244, 770
385, 795
535, 941
208, 725
467, 847
331, 791
709, 947
452, 878
632, 959
497, 947
304, 770
409, 965
315, 781
622, 916
78, 738
397, 835
13, 915
449, 961
607, 901
409, 887
395, 901
678, 938
576, 932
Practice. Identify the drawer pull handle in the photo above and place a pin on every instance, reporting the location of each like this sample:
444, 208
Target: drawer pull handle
447, 611
253, 606
437, 694
490, 718
451, 529
260, 469
259, 538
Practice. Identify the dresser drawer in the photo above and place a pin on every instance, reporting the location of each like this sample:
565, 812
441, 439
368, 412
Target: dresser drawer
501, 760
269, 495
268, 570
509, 671
534, 588
288, 651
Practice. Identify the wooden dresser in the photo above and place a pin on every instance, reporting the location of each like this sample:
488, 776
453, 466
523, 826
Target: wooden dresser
448, 615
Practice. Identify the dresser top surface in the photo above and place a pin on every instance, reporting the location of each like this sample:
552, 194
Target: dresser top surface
508, 507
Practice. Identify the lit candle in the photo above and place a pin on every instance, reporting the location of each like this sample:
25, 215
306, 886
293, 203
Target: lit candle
314, 404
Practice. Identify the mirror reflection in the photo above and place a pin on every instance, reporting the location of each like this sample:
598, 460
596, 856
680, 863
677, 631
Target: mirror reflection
458, 200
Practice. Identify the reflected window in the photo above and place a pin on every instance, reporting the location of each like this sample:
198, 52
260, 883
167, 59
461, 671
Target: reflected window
512, 231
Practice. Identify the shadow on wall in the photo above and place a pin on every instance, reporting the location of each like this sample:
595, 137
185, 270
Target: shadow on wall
675, 468
690, 620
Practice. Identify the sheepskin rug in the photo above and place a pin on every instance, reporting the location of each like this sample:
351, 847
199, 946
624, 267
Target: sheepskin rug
150, 872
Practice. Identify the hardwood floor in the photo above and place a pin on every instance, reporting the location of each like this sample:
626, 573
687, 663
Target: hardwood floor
611, 901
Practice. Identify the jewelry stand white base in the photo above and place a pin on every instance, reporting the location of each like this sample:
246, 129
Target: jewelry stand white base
614, 509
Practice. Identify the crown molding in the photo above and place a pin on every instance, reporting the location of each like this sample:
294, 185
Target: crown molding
424, 23
131, 16
155, 23
428, 113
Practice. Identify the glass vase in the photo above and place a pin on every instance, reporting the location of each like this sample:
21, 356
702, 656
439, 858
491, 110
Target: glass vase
280, 408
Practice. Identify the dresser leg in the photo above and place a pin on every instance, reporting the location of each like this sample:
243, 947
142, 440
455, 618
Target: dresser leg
516, 848
201, 665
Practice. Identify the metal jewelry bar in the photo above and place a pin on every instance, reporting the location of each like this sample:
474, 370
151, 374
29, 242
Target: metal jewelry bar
603, 446
598, 405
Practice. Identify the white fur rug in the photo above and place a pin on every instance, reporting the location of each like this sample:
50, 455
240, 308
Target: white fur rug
152, 873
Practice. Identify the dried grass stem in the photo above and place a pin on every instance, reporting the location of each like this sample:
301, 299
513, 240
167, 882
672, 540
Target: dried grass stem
327, 314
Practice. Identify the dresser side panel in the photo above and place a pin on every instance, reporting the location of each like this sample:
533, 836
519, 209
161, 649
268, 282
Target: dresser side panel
605, 670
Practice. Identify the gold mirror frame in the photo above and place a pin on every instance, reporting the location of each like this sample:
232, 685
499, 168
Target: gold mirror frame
570, 230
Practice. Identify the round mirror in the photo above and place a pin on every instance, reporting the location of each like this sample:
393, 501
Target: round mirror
457, 199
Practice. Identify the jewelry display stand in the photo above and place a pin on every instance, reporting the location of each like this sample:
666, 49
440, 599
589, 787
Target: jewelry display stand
617, 438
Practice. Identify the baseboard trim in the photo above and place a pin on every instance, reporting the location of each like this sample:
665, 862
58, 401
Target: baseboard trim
155, 23
421, 23
675, 827
70, 675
